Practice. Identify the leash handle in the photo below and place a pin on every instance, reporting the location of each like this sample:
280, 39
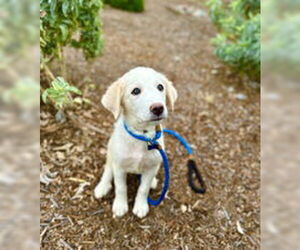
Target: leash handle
192, 169
191, 164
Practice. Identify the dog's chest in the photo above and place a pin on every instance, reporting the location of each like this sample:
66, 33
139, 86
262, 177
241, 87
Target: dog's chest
139, 158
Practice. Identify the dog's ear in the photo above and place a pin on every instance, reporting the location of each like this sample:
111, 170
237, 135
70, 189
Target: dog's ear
171, 93
112, 98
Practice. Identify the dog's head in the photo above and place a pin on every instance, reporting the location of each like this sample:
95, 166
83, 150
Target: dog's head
141, 94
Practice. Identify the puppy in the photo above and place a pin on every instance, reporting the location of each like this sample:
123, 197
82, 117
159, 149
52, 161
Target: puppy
139, 99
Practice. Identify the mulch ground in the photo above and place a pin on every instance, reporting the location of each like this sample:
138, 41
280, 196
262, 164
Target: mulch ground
216, 111
280, 161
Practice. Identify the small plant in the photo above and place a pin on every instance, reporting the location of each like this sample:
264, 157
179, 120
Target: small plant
129, 5
238, 40
60, 93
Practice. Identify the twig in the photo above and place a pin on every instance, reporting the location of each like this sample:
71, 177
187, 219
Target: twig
76, 179
63, 62
70, 220
92, 104
92, 127
100, 211
43, 233
80, 189
45, 230
55, 204
84, 124
48, 72
65, 244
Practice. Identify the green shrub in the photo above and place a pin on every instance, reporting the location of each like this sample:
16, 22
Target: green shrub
18, 31
70, 23
18, 38
280, 46
238, 40
129, 5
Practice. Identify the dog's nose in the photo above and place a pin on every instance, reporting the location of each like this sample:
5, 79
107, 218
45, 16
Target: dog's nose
157, 109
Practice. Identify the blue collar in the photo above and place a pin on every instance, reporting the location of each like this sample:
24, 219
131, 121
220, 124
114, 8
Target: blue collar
151, 141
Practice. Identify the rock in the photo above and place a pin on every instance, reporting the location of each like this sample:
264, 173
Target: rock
184, 9
214, 71
103, 151
183, 208
230, 89
209, 98
177, 58
60, 116
240, 96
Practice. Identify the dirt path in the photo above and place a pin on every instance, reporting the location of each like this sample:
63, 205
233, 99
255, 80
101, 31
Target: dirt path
222, 126
280, 161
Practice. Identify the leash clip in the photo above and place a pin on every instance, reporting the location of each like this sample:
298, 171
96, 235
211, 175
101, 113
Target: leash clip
154, 145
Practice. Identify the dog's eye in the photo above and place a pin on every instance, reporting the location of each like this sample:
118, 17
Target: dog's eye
136, 91
160, 87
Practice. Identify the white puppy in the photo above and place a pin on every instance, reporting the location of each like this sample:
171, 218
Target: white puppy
138, 99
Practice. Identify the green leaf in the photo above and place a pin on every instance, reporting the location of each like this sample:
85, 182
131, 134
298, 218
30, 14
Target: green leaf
65, 7
64, 31
74, 89
52, 7
86, 100
62, 82
78, 100
45, 96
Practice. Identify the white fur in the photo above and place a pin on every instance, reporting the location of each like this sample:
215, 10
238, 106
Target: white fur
125, 153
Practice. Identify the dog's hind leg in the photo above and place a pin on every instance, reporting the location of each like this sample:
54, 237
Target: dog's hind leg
155, 180
154, 183
104, 186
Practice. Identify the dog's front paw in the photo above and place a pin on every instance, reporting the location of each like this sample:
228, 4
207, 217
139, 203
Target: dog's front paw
141, 208
101, 190
120, 207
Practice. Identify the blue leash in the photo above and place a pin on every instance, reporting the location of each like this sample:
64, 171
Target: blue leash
192, 168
